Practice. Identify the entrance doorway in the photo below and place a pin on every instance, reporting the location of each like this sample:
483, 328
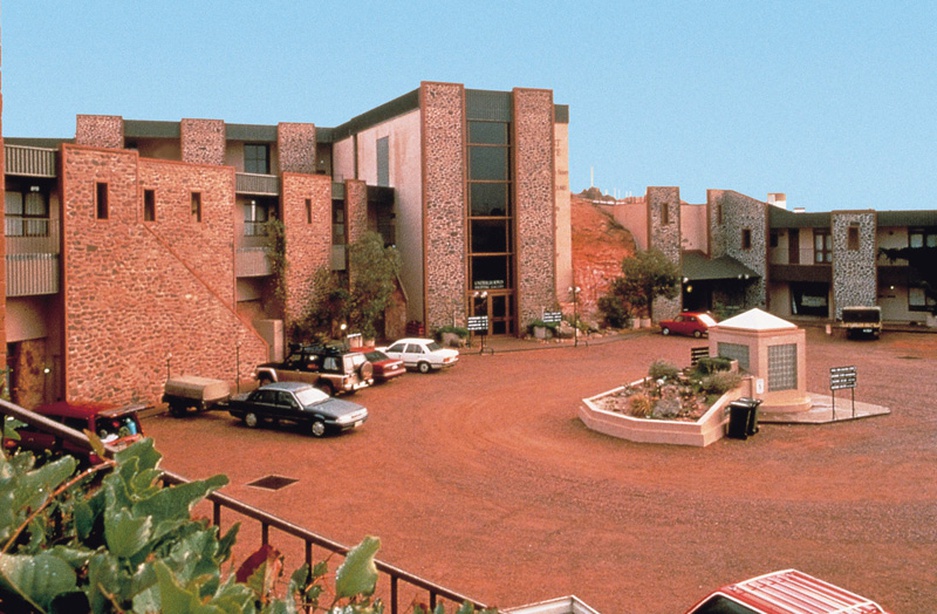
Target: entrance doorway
499, 307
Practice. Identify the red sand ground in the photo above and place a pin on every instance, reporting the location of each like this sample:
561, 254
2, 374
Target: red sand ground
482, 479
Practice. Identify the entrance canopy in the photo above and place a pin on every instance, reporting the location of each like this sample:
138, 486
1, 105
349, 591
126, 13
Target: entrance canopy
697, 267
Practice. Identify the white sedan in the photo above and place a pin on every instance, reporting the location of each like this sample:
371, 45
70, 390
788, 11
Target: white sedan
423, 355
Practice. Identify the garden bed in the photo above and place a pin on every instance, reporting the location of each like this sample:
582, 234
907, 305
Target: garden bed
668, 406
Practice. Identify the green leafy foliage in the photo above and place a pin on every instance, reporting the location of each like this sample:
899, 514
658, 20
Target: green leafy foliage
373, 268
646, 275
358, 574
124, 542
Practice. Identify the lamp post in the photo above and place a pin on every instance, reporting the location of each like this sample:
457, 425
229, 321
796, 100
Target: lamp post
575, 290
45, 384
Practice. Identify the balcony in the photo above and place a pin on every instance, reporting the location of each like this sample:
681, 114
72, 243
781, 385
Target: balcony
801, 272
32, 258
252, 262
30, 161
32, 274
337, 258
258, 185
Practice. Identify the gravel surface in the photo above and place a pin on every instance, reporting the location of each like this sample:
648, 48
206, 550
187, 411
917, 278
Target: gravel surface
481, 478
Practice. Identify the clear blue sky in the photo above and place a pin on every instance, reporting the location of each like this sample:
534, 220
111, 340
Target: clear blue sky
832, 103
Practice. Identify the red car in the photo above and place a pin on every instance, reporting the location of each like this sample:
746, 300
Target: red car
689, 323
119, 427
385, 367
785, 592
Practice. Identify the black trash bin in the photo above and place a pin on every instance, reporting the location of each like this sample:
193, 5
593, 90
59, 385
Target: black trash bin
743, 418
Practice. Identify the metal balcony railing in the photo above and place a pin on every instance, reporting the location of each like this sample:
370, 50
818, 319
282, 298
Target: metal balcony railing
32, 274
30, 161
32, 256
252, 262
398, 579
260, 185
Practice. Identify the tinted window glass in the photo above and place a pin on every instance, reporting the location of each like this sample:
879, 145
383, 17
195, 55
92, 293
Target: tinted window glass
488, 163
493, 133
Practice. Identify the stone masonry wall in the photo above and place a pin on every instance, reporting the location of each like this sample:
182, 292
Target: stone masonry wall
534, 204
203, 141
356, 206
148, 299
444, 234
664, 235
100, 131
740, 212
308, 237
296, 146
855, 278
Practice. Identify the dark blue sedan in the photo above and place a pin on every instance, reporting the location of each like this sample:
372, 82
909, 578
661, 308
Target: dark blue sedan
297, 402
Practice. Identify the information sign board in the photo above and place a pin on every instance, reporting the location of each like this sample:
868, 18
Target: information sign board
552, 317
842, 378
478, 323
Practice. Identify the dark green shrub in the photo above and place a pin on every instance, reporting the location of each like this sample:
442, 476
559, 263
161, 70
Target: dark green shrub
712, 364
614, 312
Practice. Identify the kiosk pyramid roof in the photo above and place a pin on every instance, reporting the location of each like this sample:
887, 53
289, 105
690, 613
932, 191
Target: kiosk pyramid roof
756, 319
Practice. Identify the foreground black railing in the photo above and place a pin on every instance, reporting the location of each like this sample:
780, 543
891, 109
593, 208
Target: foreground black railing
266, 521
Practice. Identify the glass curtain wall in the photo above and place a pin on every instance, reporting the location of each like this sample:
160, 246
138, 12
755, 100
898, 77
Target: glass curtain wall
491, 223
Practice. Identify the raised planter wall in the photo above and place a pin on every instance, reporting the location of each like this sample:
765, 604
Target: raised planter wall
709, 428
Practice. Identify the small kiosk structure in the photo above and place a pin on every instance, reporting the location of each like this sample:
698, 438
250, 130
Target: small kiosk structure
773, 352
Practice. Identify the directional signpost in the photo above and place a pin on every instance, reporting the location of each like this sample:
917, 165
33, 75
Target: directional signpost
479, 324
842, 378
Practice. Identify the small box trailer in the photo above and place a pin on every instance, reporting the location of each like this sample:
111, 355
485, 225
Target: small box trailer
187, 392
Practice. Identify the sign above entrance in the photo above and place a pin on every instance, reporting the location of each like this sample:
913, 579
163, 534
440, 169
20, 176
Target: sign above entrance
487, 284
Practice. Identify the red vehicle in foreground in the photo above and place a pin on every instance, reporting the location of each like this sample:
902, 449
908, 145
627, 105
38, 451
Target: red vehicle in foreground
116, 426
689, 323
785, 592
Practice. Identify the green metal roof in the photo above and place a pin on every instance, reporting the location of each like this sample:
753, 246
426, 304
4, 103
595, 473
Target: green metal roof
697, 267
907, 218
388, 110
251, 132
136, 128
782, 218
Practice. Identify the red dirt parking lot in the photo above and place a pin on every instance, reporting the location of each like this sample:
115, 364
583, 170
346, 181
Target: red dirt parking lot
481, 478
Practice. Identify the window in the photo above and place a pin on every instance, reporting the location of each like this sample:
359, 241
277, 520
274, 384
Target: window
782, 367
27, 212
383, 162
774, 238
100, 200
196, 206
256, 215
309, 211
852, 238
338, 222
922, 237
665, 214
919, 301
149, 205
256, 159
822, 246
746, 238
734, 351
